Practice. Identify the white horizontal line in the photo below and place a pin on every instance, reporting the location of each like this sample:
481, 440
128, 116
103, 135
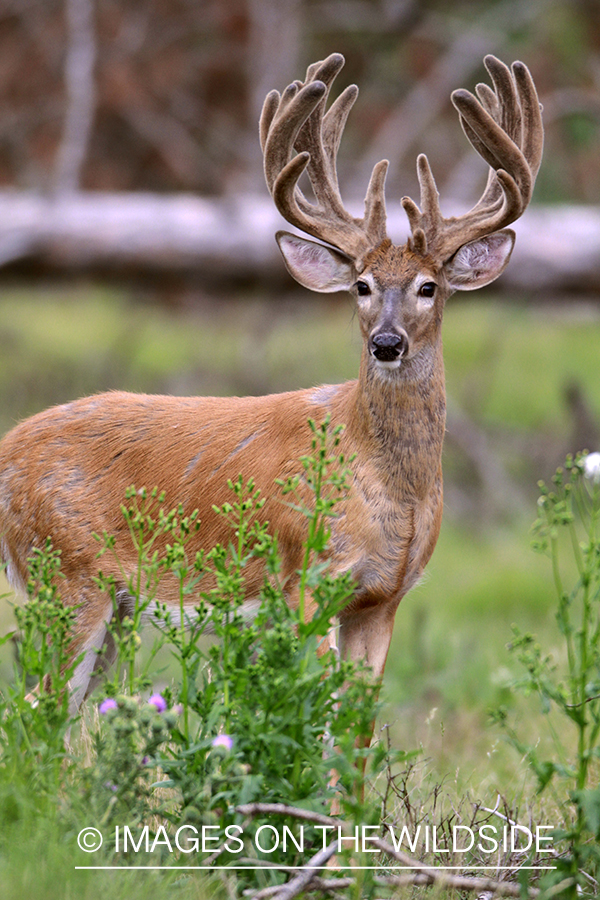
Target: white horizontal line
422, 868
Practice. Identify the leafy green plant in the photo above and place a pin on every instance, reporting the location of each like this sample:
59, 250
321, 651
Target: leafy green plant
270, 714
36, 724
118, 787
267, 714
149, 525
568, 532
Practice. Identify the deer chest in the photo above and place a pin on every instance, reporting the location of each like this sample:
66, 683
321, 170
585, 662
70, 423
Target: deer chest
389, 546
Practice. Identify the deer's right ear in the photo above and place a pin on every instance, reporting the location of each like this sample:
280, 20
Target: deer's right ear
315, 266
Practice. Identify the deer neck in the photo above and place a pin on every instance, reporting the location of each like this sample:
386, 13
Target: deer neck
402, 418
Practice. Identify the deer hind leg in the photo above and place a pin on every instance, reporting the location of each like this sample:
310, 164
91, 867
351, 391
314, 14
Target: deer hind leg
90, 641
99, 652
79, 684
98, 645
106, 656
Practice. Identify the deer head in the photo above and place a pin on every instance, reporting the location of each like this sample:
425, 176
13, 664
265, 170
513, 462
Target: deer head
400, 290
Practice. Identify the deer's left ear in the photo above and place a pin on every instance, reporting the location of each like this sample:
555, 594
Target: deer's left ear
479, 262
315, 266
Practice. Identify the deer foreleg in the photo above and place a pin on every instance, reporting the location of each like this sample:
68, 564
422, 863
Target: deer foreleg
367, 635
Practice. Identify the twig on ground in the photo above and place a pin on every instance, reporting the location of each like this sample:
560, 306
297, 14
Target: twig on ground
430, 875
455, 882
423, 874
302, 880
282, 809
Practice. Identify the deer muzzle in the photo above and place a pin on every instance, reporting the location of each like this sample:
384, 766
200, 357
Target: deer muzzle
389, 346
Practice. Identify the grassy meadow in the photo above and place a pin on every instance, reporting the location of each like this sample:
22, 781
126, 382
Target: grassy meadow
509, 368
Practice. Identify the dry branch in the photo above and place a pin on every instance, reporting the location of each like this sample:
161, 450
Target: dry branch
422, 874
457, 882
282, 809
430, 875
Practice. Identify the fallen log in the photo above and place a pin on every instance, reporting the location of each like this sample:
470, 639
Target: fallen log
557, 250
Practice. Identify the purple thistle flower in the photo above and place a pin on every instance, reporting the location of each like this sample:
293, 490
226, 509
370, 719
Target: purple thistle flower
158, 702
106, 705
223, 740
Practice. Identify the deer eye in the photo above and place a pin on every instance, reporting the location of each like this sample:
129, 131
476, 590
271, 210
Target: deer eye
428, 289
362, 288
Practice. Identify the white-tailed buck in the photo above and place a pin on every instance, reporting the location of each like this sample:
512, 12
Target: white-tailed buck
64, 472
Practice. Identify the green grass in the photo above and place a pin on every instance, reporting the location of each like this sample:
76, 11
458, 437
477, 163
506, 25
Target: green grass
509, 364
59, 343
41, 866
505, 364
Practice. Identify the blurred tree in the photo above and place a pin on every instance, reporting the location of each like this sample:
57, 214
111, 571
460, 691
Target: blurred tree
163, 95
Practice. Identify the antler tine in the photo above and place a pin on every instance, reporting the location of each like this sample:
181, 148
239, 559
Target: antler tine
531, 109
502, 105
296, 136
268, 113
504, 126
313, 136
281, 119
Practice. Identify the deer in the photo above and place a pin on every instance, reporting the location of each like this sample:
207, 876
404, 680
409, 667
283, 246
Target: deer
64, 472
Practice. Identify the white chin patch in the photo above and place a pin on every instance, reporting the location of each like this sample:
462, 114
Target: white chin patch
388, 366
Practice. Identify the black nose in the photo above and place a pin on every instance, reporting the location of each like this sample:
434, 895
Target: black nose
389, 346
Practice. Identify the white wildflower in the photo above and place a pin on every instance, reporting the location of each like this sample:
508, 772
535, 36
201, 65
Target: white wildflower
591, 466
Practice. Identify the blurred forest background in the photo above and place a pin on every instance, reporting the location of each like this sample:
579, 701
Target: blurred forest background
164, 95
137, 252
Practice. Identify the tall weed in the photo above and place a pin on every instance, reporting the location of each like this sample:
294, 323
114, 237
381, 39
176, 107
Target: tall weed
568, 532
